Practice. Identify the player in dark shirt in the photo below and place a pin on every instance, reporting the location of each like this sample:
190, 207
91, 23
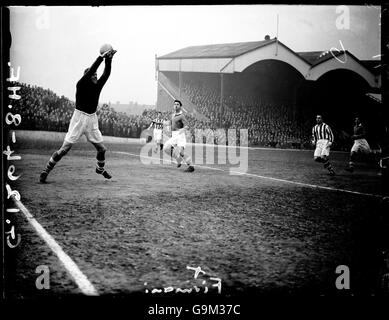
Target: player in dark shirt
360, 144
176, 144
84, 119
89, 87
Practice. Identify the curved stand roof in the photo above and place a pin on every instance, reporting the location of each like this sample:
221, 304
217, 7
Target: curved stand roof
236, 57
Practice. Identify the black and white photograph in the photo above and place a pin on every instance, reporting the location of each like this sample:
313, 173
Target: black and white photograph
194, 152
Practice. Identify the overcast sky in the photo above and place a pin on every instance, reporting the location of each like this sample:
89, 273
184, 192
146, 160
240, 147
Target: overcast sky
53, 45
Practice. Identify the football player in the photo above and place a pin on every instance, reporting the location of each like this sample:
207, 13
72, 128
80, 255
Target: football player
322, 138
176, 144
360, 144
84, 120
157, 124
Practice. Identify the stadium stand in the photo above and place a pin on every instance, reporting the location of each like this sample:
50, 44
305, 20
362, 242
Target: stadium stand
268, 124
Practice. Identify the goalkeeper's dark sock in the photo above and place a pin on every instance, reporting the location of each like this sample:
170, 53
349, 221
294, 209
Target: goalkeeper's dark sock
50, 165
56, 156
54, 159
100, 165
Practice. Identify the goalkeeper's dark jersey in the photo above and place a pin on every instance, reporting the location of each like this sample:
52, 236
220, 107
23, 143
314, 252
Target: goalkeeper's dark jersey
87, 92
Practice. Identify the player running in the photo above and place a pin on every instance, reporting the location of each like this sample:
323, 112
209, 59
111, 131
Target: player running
84, 119
157, 124
176, 144
360, 144
323, 138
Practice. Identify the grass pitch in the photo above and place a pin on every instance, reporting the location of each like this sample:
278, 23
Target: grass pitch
141, 229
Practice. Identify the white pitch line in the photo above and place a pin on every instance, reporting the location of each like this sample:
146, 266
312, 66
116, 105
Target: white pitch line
314, 186
81, 280
256, 148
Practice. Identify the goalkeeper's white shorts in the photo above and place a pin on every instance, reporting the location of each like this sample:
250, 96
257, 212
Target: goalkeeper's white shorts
86, 124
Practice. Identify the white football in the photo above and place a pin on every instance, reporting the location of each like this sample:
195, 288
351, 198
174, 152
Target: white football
105, 47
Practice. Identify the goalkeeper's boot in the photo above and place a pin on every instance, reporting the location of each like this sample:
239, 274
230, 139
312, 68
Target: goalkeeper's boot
43, 176
102, 171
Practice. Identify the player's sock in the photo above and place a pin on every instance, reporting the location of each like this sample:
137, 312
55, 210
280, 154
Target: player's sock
100, 165
55, 157
50, 165
187, 160
43, 177
176, 155
179, 161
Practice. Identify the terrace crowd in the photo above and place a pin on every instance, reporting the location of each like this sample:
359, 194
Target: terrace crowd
267, 124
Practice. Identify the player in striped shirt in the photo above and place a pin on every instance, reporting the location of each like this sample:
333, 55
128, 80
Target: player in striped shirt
157, 124
322, 138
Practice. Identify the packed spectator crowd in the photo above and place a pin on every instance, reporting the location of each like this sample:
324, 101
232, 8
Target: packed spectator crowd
42, 109
267, 124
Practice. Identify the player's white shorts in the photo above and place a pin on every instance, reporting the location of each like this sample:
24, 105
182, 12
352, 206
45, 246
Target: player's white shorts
157, 135
322, 148
83, 123
361, 145
178, 138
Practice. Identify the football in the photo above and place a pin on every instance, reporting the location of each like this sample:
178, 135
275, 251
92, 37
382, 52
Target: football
104, 48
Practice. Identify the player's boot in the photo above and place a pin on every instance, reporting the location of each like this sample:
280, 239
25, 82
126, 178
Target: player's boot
43, 176
105, 174
189, 169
